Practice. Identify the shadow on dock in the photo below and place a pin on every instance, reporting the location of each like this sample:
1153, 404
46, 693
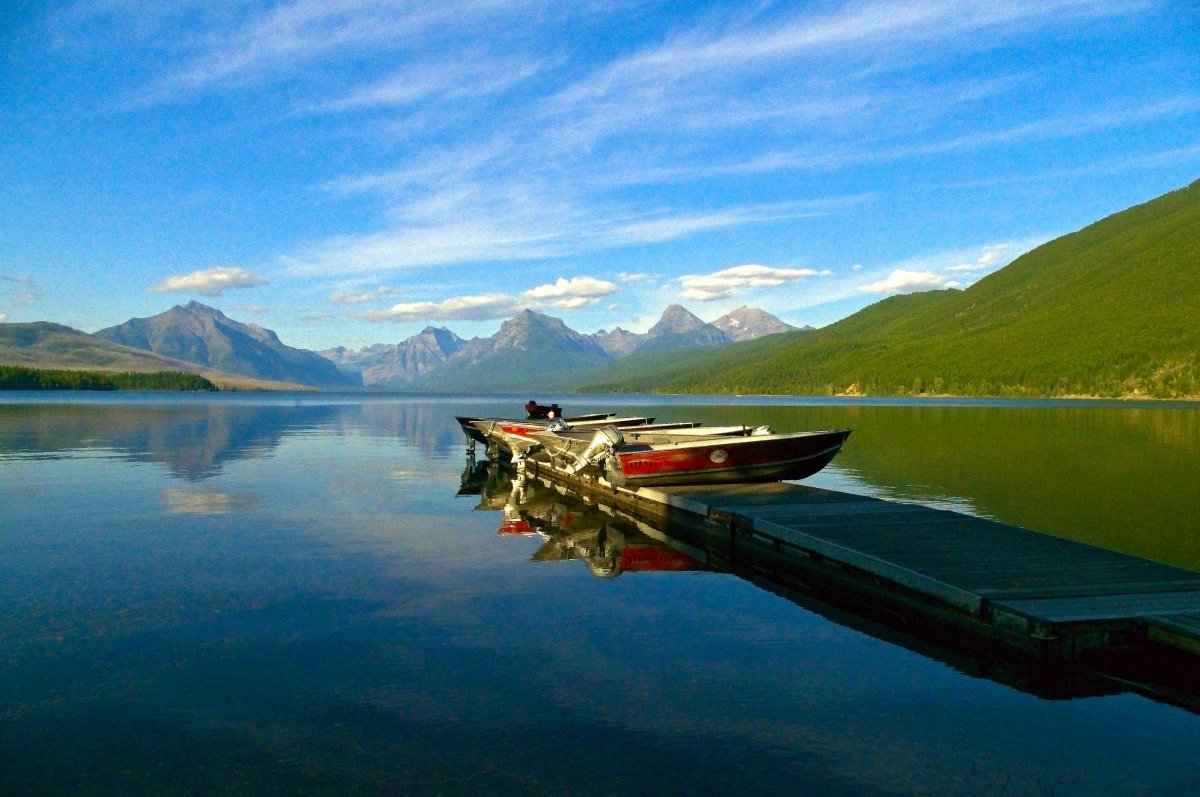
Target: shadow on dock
615, 533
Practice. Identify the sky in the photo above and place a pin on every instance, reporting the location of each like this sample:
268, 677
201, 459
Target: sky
348, 173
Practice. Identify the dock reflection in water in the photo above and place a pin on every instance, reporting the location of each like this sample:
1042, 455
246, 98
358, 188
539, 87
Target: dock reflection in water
611, 542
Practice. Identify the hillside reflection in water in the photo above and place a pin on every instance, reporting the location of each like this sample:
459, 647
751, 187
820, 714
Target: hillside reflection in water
572, 527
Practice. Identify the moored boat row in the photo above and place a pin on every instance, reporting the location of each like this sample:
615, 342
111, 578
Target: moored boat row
633, 451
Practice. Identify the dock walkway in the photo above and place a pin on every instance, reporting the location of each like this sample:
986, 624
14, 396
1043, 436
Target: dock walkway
1049, 597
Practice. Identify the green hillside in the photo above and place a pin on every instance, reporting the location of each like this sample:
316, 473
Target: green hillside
1108, 311
14, 377
643, 372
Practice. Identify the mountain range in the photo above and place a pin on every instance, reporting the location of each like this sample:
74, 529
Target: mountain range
1108, 311
536, 349
530, 349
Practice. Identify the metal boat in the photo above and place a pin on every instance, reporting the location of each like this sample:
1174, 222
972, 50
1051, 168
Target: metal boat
702, 460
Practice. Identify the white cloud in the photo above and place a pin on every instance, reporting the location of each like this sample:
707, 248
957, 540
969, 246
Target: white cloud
209, 282
636, 277
731, 281
901, 281
940, 269
563, 294
461, 308
360, 297
572, 294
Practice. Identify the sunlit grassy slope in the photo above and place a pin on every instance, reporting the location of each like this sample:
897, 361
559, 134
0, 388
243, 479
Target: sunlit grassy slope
1111, 310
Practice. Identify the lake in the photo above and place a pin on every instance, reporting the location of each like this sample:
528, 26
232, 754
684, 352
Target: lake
287, 594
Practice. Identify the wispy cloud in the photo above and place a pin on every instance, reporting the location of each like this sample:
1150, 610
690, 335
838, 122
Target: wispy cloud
547, 174
484, 307
209, 282
477, 240
422, 83
1043, 129
673, 226
279, 41
488, 132
541, 182
729, 282
692, 75
16, 291
510, 220
360, 296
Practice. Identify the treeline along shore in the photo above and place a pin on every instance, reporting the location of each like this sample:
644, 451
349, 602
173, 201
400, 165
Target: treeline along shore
20, 378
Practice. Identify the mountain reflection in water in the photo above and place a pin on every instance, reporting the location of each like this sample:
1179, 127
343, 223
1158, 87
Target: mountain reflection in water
197, 439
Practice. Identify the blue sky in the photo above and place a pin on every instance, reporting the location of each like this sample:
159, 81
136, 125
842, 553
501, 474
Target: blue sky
346, 173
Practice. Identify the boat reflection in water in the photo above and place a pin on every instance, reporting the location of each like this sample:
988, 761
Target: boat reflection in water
612, 542
572, 529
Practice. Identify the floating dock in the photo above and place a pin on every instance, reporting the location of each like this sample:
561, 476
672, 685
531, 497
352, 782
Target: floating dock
1031, 593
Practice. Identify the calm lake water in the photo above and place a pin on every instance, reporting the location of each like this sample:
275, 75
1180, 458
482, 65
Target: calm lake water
285, 594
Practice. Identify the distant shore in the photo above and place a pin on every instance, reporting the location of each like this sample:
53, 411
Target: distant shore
15, 377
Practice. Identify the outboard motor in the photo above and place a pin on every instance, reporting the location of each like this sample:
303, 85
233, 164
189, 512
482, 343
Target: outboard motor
604, 444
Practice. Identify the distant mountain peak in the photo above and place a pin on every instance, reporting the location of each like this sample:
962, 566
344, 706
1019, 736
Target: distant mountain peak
440, 336
748, 323
203, 335
198, 307
679, 328
619, 342
675, 319
398, 365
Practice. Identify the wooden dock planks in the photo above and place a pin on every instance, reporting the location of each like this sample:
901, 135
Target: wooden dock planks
979, 566
1031, 592
1180, 631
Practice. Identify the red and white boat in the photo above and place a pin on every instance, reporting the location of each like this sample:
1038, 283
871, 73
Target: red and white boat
694, 458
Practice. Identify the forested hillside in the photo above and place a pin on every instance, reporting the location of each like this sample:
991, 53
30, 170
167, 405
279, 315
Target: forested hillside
1108, 311
18, 378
